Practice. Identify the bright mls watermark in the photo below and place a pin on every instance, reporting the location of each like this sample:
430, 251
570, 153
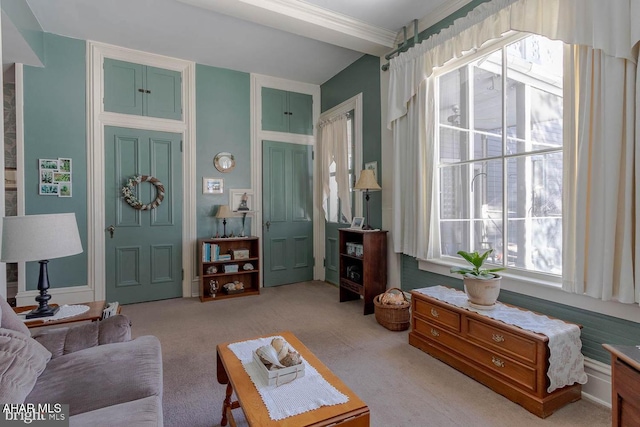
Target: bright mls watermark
34, 414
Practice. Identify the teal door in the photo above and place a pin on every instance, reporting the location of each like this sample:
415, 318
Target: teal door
287, 213
284, 111
143, 254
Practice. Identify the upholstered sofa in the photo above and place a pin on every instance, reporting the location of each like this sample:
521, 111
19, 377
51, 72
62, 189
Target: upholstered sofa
107, 378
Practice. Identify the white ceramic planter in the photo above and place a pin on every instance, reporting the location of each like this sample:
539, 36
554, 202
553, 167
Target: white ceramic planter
482, 293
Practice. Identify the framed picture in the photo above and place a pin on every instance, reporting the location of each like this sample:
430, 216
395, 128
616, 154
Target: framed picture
55, 177
373, 166
64, 189
212, 186
358, 222
241, 200
48, 163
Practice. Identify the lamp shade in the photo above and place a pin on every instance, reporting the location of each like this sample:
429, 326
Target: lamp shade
367, 181
39, 237
224, 212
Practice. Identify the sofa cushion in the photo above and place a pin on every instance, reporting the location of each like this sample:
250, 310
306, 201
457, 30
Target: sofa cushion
129, 371
10, 320
22, 360
140, 413
60, 341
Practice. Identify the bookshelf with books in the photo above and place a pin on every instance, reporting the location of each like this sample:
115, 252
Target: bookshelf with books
228, 267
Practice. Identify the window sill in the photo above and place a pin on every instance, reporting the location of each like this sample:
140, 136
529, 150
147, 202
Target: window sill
547, 290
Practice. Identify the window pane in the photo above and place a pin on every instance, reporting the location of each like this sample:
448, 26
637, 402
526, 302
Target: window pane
487, 105
534, 194
471, 207
534, 94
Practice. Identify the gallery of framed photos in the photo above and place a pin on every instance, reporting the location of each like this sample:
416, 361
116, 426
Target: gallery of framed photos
55, 177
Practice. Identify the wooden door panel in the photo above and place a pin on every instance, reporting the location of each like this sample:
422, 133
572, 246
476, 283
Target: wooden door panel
121, 83
164, 96
287, 204
144, 256
128, 266
301, 117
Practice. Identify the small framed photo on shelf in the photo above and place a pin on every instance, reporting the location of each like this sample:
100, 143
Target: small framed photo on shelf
212, 186
358, 222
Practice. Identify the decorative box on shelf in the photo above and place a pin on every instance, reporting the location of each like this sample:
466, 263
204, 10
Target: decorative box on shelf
278, 376
231, 268
354, 249
241, 254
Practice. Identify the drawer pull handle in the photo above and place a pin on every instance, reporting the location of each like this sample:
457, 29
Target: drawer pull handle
435, 333
497, 338
434, 312
499, 363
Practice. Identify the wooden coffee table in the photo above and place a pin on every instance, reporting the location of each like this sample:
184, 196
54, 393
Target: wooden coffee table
354, 413
94, 313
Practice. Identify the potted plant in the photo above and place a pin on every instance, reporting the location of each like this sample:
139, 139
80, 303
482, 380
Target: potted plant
482, 285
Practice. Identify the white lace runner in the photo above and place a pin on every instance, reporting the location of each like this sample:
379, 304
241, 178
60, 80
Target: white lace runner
566, 362
64, 312
300, 395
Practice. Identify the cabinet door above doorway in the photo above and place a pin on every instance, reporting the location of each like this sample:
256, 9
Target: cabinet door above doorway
142, 90
289, 112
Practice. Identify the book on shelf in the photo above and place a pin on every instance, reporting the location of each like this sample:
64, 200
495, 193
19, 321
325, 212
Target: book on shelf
210, 252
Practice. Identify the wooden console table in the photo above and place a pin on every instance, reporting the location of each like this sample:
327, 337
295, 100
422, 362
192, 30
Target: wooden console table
625, 385
230, 371
511, 361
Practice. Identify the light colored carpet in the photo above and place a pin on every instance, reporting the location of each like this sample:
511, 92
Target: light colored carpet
402, 385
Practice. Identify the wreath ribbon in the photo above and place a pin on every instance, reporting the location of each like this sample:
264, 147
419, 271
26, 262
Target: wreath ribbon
133, 201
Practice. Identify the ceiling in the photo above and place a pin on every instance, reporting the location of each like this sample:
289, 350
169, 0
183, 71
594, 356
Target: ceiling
303, 41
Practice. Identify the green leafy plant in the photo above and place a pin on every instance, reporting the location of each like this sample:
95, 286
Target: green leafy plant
476, 260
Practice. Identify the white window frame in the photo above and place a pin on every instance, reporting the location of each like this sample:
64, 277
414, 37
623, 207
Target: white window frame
519, 280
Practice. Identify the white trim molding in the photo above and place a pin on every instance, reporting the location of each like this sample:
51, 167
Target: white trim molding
97, 119
308, 20
598, 386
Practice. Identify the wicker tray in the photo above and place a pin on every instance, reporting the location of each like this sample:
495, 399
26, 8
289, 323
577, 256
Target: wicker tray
393, 317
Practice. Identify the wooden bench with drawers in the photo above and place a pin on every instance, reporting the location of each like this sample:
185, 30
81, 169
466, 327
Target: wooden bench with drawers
511, 361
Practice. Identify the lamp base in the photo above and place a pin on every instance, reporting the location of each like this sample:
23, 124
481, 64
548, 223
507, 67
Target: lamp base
45, 311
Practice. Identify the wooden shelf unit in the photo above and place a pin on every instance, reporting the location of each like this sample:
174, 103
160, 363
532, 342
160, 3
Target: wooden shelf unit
511, 361
372, 266
250, 278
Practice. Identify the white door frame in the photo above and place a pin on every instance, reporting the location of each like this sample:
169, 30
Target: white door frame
97, 119
258, 135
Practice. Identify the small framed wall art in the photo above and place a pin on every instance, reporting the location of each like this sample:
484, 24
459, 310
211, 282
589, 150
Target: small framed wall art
55, 177
212, 185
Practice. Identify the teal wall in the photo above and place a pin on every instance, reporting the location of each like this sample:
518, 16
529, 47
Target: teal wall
27, 24
362, 76
597, 328
223, 123
55, 125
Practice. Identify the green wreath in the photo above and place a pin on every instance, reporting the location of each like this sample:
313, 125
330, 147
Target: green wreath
132, 200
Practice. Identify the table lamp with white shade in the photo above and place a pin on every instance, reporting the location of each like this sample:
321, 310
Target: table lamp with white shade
367, 182
40, 238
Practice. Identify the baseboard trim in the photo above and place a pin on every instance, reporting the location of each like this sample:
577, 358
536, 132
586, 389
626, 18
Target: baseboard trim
598, 386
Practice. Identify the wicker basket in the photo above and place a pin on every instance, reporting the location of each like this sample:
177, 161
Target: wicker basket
391, 316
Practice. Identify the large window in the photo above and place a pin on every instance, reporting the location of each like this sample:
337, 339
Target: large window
500, 155
334, 208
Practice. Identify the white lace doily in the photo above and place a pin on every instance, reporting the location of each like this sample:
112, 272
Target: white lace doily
301, 395
566, 362
64, 312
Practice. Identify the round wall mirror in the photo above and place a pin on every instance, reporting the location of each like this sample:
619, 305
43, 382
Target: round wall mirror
224, 162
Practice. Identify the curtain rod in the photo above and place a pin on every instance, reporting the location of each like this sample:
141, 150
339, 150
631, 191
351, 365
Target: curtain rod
405, 45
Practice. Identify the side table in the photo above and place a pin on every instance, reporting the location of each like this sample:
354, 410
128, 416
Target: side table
625, 385
93, 314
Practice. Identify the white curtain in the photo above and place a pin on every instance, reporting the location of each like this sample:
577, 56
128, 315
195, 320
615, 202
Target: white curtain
599, 218
334, 147
610, 29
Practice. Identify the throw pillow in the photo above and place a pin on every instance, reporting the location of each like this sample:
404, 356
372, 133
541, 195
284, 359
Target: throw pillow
10, 320
22, 360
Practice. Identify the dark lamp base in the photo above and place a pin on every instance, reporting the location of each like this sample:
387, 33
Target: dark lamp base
42, 312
